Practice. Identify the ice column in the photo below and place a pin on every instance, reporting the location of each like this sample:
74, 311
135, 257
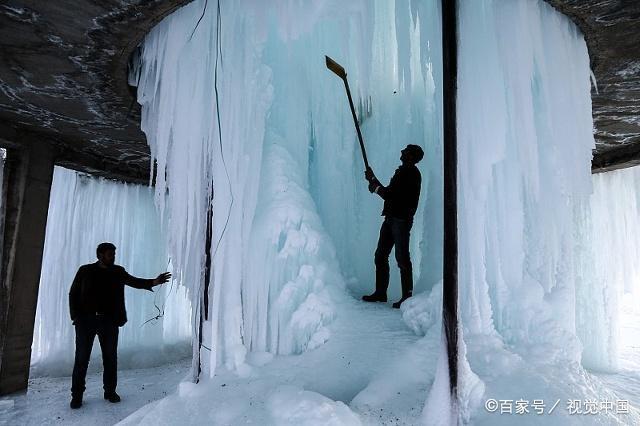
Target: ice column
540, 289
525, 141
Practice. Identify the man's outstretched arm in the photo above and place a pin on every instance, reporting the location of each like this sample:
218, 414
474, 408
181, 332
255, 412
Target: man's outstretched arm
143, 283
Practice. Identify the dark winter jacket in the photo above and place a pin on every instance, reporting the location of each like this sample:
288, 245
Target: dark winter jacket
402, 193
97, 290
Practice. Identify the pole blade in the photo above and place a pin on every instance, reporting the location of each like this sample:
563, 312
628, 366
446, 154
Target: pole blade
335, 67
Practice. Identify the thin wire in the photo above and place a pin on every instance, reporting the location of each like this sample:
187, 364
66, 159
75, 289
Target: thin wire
224, 163
215, 85
218, 60
164, 302
204, 9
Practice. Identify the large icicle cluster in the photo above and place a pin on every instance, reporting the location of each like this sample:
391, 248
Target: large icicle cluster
84, 212
243, 101
530, 292
525, 145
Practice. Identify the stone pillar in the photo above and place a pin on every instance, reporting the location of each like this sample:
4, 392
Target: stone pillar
29, 173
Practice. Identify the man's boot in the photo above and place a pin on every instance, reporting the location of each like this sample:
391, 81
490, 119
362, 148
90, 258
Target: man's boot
112, 397
76, 402
399, 302
375, 297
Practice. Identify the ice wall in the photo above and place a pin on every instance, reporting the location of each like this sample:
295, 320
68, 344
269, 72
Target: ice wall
525, 143
611, 277
532, 289
84, 212
243, 104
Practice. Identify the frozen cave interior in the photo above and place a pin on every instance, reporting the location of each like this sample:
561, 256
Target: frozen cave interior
245, 123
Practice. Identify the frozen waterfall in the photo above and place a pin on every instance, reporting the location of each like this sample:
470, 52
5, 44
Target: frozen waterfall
536, 294
244, 102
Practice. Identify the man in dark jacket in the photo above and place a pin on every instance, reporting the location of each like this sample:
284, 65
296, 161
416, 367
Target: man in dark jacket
96, 304
400, 204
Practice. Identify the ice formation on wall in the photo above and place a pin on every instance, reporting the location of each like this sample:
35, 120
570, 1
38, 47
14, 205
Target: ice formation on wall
531, 289
84, 212
610, 276
241, 105
525, 148
243, 102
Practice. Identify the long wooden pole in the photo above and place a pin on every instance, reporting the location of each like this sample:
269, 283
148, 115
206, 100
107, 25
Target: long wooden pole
337, 69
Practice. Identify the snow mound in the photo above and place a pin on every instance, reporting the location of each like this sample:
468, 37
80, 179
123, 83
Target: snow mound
292, 406
423, 310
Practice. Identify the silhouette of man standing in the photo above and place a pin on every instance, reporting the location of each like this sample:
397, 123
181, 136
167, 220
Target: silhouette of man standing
96, 304
400, 204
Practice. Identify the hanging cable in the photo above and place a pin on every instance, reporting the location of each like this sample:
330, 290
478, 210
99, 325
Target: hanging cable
207, 252
164, 302
215, 86
208, 256
204, 9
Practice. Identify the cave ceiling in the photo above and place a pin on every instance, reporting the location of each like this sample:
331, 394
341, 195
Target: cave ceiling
63, 79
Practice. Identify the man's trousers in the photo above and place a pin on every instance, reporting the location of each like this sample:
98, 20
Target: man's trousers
87, 327
394, 232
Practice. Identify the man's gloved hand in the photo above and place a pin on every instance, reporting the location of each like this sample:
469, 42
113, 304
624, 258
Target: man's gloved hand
368, 175
372, 186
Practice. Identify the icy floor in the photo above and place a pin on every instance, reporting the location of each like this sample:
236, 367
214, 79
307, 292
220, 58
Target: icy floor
373, 363
549, 383
47, 401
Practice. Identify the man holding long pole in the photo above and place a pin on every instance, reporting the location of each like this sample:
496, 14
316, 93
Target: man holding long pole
400, 204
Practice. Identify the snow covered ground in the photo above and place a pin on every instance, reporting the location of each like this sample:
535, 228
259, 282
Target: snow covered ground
373, 370
47, 400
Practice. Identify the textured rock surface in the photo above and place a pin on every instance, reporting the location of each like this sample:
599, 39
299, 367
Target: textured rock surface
63, 80
612, 32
